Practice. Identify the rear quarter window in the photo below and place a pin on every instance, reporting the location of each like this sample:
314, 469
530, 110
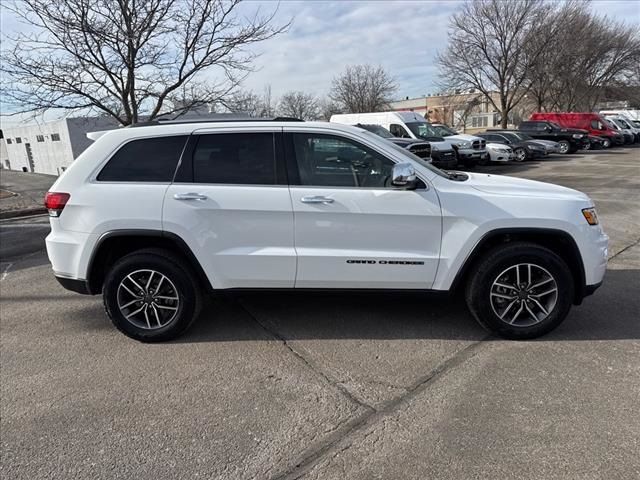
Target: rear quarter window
144, 160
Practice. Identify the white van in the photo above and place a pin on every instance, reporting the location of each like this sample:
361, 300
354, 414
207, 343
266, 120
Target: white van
413, 125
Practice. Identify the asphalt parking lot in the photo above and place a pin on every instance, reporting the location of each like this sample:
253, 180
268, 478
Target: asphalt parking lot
283, 386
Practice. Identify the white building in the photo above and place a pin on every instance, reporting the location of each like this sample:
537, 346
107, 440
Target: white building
49, 147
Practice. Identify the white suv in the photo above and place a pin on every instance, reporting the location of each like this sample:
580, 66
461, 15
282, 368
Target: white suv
154, 216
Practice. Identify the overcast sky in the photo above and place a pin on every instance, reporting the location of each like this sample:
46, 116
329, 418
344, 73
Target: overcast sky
326, 36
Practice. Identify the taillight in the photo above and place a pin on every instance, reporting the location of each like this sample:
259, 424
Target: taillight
55, 202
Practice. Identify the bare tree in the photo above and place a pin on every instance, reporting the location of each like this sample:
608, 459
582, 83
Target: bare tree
327, 108
299, 105
250, 103
363, 88
487, 51
128, 58
590, 56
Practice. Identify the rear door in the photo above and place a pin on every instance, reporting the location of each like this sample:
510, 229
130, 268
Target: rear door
230, 202
352, 230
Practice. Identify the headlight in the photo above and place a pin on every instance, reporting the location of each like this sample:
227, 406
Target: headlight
578, 135
590, 215
464, 145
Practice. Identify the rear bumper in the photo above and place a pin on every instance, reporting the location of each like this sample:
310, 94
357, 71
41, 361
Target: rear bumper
75, 285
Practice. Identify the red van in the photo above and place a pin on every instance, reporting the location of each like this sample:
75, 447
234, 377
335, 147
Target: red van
592, 122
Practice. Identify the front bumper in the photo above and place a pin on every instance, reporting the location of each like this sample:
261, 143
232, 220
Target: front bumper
444, 158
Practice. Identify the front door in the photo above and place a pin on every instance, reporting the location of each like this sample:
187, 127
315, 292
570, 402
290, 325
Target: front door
352, 229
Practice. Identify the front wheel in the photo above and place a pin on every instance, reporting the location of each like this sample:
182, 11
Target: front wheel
565, 146
151, 297
520, 291
606, 143
520, 154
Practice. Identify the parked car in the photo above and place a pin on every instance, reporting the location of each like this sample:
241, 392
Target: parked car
625, 124
628, 135
154, 217
550, 146
498, 152
595, 143
570, 139
585, 122
408, 125
470, 148
522, 150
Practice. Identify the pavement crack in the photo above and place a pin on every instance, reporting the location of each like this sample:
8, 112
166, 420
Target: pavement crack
342, 442
625, 249
310, 364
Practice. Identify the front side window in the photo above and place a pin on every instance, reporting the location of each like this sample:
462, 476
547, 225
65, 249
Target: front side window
144, 160
398, 130
330, 161
235, 158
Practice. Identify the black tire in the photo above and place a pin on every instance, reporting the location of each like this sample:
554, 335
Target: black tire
479, 288
606, 143
587, 146
565, 146
180, 277
520, 154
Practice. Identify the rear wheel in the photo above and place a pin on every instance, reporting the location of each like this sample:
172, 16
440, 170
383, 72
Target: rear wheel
151, 297
520, 291
565, 146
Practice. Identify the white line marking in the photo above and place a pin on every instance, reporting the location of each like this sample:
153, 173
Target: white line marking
5, 272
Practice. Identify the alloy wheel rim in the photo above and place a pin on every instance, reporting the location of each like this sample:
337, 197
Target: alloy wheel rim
520, 155
564, 147
523, 295
148, 299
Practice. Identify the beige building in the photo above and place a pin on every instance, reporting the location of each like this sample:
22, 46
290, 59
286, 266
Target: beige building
467, 112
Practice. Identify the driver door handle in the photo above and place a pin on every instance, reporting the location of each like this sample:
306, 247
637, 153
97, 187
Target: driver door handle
190, 196
317, 199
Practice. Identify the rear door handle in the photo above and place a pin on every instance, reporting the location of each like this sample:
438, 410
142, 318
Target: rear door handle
189, 196
316, 199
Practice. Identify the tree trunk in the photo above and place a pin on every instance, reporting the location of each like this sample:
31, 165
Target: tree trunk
504, 120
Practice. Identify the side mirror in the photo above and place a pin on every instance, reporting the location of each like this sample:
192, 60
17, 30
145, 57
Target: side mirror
547, 129
404, 176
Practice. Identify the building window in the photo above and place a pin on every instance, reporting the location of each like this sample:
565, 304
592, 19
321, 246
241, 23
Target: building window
9, 142
55, 137
18, 140
40, 138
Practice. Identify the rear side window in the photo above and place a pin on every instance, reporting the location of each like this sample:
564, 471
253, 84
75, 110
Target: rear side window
235, 158
144, 160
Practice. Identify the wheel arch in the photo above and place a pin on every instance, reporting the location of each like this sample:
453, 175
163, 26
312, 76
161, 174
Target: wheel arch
115, 244
558, 241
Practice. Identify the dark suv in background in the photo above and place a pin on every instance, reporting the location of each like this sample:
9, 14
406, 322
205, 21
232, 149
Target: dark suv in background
570, 139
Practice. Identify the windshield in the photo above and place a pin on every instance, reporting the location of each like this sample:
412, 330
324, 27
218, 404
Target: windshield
512, 137
443, 131
555, 125
422, 130
523, 136
622, 123
377, 129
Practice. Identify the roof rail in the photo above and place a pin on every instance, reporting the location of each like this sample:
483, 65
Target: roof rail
180, 121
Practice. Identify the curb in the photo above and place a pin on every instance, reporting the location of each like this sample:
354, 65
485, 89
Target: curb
23, 212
